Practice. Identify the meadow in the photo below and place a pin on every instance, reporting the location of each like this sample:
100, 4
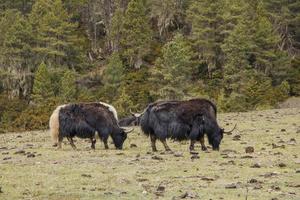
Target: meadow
259, 160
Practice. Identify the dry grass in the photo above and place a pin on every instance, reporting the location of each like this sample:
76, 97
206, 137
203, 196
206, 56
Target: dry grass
137, 173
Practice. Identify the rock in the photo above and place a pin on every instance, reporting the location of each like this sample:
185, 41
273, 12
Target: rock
256, 165
282, 165
178, 154
246, 156
195, 157
188, 195
142, 179
236, 138
157, 158
298, 171
86, 175
19, 136
231, 186
292, 141
31, 155
207, 178
274, 146
275, 187
20, 152
249, 149
283, 130
270, 174
7, 158
133, 145
253, 181
257, 187
160, 188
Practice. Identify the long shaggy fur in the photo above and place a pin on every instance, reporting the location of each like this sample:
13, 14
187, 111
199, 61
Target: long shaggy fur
181, 120
84, 120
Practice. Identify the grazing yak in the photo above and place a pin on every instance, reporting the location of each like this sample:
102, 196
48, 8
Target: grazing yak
181, 120
85, 120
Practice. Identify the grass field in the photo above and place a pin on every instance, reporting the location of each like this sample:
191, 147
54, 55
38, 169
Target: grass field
30, 168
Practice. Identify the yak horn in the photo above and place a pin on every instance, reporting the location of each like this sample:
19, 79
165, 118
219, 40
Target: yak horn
136, 114
127, 130
231, 130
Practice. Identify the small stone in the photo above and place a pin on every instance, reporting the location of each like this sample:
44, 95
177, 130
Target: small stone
157, 158
178, 154
298, 171
31, 155
195, 157
275, 187
282, 130
160, 188
86, 175
257, 187
1, 190
249, 149
253, 180
19, 136
256, 165
20, 152
236, 138
7, 158
282, 165
133, 145
231, 186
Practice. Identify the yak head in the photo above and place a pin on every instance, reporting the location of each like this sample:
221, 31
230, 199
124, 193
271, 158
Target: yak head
216, 138
120, 137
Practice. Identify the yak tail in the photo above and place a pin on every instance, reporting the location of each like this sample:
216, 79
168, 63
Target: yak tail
54, 125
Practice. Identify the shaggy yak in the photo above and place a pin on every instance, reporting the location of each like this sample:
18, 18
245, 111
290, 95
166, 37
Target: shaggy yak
85, 120
182, 120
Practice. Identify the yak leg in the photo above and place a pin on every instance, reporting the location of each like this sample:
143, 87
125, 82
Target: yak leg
60, 139
153, 140
105, 144
71, 142
203, 147
93, 140
192, 147
167, 148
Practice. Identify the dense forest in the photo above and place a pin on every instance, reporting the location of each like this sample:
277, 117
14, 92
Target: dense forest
243, 55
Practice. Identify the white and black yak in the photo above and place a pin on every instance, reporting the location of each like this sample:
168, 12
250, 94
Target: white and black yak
85, 120
182, 120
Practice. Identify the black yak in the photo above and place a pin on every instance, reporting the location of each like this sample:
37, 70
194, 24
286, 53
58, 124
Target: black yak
85, 120
181, 120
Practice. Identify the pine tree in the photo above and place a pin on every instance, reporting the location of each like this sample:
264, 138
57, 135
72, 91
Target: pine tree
56, 39
113, 75
16, 53
42, 87
207, 34
68, 87
137, 33
115, 29
174, 69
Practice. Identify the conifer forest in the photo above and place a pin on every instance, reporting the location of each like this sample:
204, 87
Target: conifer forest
243, 55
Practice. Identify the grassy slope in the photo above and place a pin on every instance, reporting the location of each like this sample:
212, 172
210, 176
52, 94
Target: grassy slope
133, 173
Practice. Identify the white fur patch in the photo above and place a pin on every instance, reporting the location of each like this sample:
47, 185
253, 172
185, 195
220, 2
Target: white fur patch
54, 123
111, 109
